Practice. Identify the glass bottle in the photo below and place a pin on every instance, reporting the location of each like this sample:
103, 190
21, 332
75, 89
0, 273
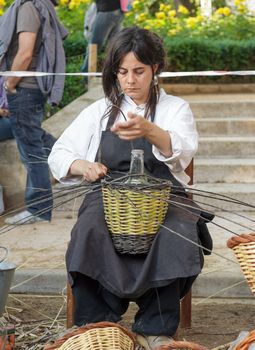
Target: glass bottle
136, 171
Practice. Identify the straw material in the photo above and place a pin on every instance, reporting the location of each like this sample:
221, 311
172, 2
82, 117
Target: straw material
134, 215
244, 249
96, 336
173, 345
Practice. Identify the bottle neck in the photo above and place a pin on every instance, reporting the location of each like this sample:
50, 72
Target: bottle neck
136, 172
137, 163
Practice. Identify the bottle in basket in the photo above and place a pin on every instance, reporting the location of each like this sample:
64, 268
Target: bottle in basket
136, 172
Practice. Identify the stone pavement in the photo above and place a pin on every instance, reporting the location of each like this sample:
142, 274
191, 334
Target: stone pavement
38, 250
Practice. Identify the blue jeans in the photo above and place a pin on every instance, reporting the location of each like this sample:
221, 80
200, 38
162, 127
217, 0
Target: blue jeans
5, 129
106, 25
34, 144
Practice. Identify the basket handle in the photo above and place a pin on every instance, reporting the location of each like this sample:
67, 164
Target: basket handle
5, 253
242, 238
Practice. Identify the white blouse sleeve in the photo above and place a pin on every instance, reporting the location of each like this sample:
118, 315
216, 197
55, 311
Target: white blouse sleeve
73, 144
181, 126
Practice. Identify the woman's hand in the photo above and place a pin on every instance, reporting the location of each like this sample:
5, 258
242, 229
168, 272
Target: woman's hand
4, 112
135, 127
91, 171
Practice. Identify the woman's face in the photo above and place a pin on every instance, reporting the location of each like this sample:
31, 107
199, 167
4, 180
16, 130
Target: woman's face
135, 78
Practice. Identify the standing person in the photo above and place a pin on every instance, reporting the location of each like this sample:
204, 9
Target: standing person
31, 40
163, 126
106, 24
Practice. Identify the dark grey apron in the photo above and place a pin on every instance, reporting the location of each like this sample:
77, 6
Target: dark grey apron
91, 251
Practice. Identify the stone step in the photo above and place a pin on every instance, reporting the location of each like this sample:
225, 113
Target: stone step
237, 192
224, 170
223, 105
232, 147
239, 126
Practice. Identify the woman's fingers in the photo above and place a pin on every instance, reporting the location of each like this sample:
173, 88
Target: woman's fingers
94, 171
135, 127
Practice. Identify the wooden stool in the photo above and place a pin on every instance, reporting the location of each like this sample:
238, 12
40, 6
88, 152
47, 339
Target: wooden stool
185, 302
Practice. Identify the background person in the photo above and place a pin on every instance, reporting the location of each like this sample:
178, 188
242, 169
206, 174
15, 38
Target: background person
31, 40
164, 127
106, 24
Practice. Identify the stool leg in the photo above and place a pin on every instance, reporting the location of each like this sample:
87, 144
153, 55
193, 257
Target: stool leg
186, 311
69, 307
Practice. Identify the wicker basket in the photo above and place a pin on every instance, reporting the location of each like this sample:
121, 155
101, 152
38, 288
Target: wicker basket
134, 213
96, 336
244, 249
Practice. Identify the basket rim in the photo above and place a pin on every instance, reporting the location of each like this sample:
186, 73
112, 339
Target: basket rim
153, 182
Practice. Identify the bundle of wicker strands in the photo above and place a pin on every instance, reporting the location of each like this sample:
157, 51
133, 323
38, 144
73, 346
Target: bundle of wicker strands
134, 213
244, 249
174, 345
96, 336
246, 342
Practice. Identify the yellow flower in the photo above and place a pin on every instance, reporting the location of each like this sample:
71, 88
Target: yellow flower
239, 2
172, 32
162, 7
157, 23
183, 10
172, 13
141, 17
242, 8
160, 15
225, 11
191, 22
147, 27
135, 5
200, 18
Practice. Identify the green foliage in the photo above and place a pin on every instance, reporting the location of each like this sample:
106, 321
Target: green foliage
74, 46
75, 43
193, 42
193, 54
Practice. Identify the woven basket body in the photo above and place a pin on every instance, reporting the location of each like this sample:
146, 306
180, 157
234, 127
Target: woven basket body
95, 336
245, 254
134, 214
105, 338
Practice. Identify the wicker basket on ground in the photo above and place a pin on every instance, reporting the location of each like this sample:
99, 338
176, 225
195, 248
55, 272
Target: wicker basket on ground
96, 336
134, 213
244, 248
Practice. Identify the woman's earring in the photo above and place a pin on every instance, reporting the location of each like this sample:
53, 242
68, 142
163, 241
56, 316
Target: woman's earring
155, 80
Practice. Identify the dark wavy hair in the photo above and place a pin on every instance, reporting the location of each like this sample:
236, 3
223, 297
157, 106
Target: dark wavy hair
148, 49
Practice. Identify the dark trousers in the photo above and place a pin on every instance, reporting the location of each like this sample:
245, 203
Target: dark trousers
34, 144
159, 308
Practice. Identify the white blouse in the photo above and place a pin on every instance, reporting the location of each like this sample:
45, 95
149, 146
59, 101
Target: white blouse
81, 139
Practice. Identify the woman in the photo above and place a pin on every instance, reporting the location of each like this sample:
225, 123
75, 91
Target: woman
98, 143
